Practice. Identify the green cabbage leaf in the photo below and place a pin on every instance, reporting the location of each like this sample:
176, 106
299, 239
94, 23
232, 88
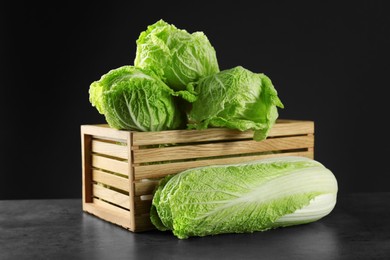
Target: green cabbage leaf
244, 198
177, 56
235, 98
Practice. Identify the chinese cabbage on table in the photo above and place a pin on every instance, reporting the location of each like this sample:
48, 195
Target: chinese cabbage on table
246, 197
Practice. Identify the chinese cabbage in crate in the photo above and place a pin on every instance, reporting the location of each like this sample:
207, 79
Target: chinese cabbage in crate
136, 99
176, 83
177, 56
244, 197
236, 98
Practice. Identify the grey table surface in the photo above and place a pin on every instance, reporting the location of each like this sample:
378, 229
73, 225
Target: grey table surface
358, 228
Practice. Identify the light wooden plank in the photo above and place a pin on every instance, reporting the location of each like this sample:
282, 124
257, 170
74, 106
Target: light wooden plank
111, 196
145, 187
221, 149
104, 131
161, 170
111, 180
281, 128
112, 215
110, 164
188, 136
105, 148
291, 128
112, 208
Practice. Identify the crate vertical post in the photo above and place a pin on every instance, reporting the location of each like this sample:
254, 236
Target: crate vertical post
86, 167
131, 179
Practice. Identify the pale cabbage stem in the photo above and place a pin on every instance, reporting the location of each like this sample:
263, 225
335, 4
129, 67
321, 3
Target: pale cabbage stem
318, 207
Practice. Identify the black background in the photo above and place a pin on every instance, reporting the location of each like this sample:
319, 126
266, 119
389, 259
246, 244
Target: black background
329, 62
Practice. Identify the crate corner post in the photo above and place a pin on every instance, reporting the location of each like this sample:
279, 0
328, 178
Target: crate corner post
131, 180
86, 142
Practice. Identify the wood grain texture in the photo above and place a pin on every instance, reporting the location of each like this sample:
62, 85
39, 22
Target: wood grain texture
281, 128
111, 165
111, 196
221, 149
108, 212
110, 149
105, 132
161, 170
111, 180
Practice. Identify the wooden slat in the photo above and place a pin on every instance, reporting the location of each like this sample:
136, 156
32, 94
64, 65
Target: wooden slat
161, 170
111, 196
115, 150
144, 187
108, 212
292, 127
104, 131
118, 211
220, 149
281, 128
110, 164
111, 180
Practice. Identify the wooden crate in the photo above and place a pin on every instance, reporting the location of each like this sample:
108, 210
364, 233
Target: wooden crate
122, 168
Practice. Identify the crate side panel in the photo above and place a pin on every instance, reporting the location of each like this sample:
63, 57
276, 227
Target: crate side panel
188, 136
130, 170
292, 128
